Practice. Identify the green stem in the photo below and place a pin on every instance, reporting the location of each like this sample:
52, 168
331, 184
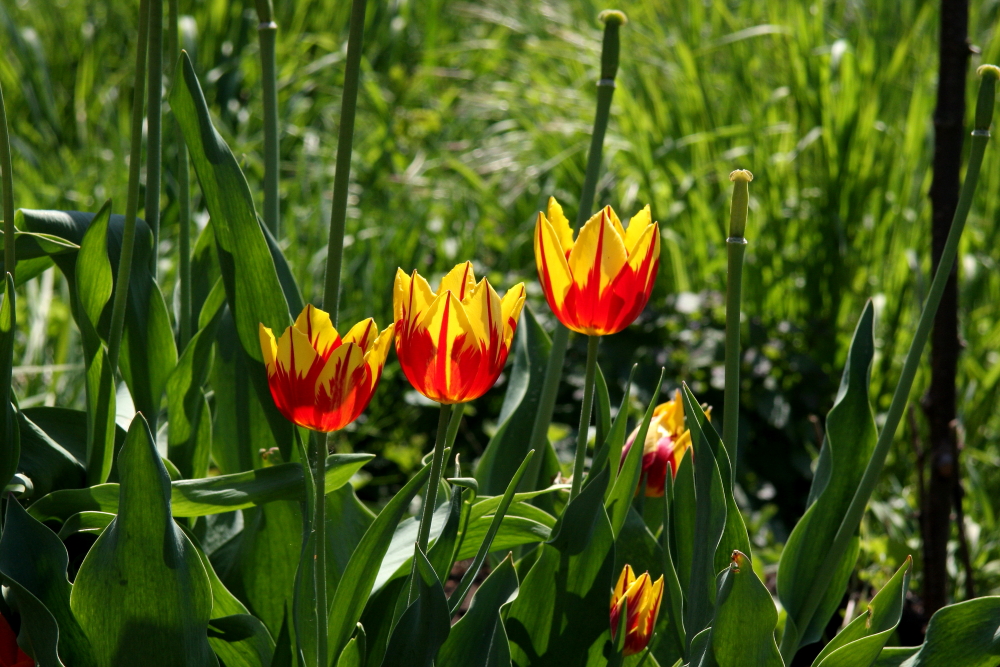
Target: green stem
183, 192
267, 31
430, 494
453, 424
586, 412
342, 176
560, 338
132, 202
736, 246
9, 258
852, 518
322, 448
154, 128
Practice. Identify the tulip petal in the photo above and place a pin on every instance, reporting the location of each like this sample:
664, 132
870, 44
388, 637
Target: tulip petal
378, 352
485, 315
269, 348
637, 226
411, 298
461, 280
643, 259
334, 379
318, 328
561, 225
510, 311
615, 222
597, 257
553, 268
362, 334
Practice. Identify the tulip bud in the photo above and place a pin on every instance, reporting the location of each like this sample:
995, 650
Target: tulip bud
639, 600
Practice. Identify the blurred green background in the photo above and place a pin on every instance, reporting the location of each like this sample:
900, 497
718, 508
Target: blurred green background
472, 114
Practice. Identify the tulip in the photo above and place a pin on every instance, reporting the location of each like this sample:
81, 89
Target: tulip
598, 284
666, 442
641, 598
11, 654
453, 344
318, 379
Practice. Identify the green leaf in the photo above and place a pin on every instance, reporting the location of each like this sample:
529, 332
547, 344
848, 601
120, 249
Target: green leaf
10, 448
560, 616
86, 522
397, 559
68, 429
479, 638
441, 554
356, 584
45, 462
966, 634
522, 524
734, 536
241, 640
425, 624
211, 495
672, 613
470, 574
709, 525
742, 632
602, 410
615, 440
347, 519
33, 564
189, 429
159, 612
850, 440
511, 442
94, 276
353, 654
252, 284
283, 656
859, 644
636, 546
620, 499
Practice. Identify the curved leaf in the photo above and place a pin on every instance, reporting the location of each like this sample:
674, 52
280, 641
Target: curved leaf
160, 610
850, 439
966, 634
742, 633
10, 448
425, 624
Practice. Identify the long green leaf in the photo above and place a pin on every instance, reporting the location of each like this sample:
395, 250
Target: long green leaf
966, 634
742, 632
159, 612
10, 448
359, 576
425, 624
850, 440
211, 495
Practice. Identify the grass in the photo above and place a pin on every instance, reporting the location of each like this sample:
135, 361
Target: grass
472, 114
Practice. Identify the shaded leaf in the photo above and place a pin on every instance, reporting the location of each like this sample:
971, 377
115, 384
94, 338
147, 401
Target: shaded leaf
425, 624
742, 632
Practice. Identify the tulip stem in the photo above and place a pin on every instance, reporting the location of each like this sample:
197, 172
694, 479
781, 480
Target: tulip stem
132, 201
321, 443
586, 412
342, 175
9, 259
154, 128
267, 31
736, 246
560, 338
430, 494
852, 517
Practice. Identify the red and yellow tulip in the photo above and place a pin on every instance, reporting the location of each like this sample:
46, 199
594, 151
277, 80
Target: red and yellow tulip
453, 344
318, 379
666, 442
599, 283
641, 598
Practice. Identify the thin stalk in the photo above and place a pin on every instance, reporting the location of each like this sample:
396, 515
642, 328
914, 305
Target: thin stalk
9, 258
610, 48
322, 447
154, 128
132, 201
430, 494
453, 423
736, 246
183, 191
267, 31
342, 176
852, 518
586, 412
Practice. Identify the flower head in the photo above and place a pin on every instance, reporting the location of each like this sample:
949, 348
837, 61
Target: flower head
666, 442
11, 654
599, 283
453, 344
641, 598
318, 379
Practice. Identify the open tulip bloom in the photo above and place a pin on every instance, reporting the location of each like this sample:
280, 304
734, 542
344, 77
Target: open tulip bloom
599, 283
318, 379
641, 599
666, 442
453, 344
